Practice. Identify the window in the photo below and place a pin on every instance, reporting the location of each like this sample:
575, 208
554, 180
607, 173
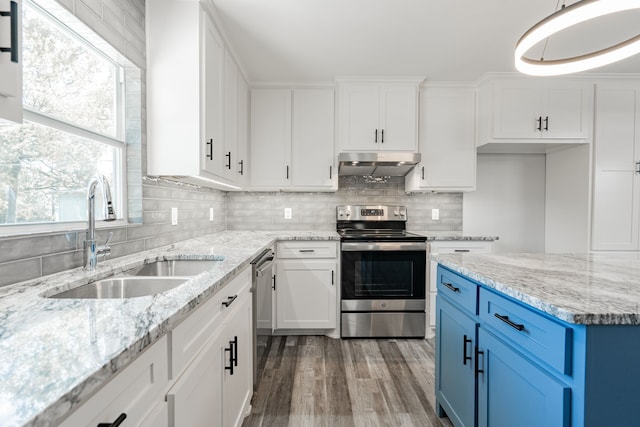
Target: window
73, 129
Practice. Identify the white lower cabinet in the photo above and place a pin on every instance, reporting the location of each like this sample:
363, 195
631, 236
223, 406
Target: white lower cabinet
133, 393
199, 375
306, 283
215, 387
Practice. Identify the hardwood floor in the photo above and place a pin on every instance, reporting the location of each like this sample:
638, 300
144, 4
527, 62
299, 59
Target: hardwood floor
317, 381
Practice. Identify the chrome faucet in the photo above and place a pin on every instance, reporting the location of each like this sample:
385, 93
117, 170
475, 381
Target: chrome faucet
91, 250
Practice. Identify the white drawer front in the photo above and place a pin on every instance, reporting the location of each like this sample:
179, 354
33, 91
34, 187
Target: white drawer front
307, 249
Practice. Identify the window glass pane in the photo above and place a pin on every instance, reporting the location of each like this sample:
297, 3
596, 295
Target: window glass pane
66, 79
44, 173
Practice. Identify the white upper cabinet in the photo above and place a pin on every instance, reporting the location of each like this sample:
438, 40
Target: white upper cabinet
616, 167
379, 116
10, 62
292, 139
186, 104
313, 137
535, 109
447, 141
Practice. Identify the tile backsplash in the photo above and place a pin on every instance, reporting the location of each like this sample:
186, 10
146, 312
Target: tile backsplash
317, 211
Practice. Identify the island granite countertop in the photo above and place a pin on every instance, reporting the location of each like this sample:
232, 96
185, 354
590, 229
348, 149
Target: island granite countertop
588, 289
55, 353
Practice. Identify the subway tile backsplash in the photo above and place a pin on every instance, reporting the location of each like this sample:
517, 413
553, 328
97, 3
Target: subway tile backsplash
317, 211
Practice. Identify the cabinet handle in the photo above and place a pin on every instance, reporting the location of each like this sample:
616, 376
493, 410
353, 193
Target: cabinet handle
228, 156
638, 167
116, 423
229, 301
330, 172
478, 370
376, 139
465, 341
546, 123
539, 120
461, 250
235, 350
287, 171
506, 320
230, 350
450, 286
12, 13
210, 144
332, 278
273, 282
307, 250
423, 173
241, 163
382, 137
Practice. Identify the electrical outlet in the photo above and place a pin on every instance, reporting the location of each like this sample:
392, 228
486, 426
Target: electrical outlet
287, 213
435, 214
210, 214
174, 216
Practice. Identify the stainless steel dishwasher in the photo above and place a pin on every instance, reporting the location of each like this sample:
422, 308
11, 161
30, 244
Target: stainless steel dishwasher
262, 288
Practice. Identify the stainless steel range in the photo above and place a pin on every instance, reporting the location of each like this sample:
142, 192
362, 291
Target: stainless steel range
383, 270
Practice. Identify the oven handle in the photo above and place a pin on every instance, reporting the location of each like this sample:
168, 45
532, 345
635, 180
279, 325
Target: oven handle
384, 246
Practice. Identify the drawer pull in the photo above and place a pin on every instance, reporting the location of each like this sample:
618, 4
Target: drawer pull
229, 301
116, 423
450, 286
307, 250
461, 250
478, 370
465, 341
506, 320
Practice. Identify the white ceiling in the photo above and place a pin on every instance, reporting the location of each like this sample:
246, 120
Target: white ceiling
442, 40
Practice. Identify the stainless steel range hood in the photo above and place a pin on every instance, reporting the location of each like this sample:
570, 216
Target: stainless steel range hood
377, 163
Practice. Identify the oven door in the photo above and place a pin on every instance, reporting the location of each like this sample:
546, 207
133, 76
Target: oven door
383, 270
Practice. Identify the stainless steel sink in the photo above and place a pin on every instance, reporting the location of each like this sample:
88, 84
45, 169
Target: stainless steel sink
180, 267
122, 287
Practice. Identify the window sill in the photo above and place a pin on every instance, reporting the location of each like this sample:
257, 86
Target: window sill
30, 230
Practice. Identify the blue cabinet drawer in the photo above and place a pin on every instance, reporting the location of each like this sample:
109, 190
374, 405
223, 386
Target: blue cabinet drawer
549, 341
458, 289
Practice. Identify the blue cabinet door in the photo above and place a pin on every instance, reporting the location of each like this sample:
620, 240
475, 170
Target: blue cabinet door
455, 379
513, 391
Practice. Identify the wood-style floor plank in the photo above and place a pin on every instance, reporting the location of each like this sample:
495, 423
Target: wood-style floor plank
315, 381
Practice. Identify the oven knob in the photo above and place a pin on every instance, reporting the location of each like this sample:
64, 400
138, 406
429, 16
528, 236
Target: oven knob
348, 213
396, 212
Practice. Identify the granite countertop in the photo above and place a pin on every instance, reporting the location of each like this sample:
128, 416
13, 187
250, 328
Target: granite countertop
588, 289
55, 353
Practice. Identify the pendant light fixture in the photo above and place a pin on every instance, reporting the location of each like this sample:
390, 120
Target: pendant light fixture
564, 18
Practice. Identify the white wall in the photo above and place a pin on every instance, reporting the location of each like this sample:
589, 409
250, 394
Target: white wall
509, 202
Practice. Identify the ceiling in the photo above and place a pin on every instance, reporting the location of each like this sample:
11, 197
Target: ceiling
298, 41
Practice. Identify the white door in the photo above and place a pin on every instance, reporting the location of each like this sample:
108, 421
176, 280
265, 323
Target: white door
447, 139
212, 153
11, 64
564, 105
195, 400
616, 202
237, 387
306, 294
230, 117
313, 135
516, 110
398, 118
270, 137
359, 114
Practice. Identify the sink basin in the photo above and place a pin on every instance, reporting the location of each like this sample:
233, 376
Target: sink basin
180, 267
122, 287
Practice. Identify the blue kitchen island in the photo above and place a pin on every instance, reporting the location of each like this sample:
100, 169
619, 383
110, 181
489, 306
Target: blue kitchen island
538, 339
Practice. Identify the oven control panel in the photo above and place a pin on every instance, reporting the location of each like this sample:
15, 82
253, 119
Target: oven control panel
371, 213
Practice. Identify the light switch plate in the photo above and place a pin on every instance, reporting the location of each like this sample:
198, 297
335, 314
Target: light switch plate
435, 214
174, 216
210, 214
287, 213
